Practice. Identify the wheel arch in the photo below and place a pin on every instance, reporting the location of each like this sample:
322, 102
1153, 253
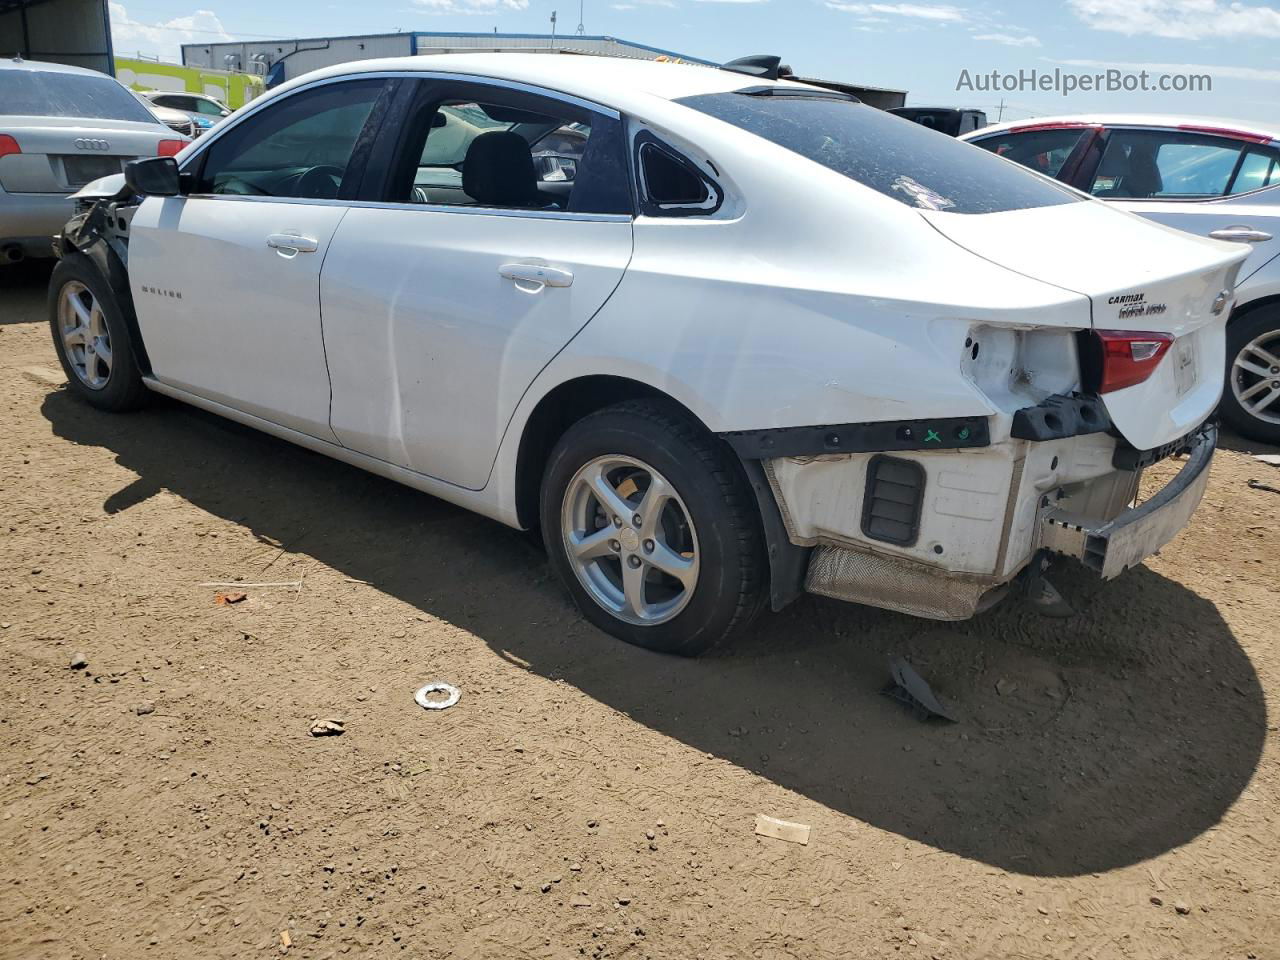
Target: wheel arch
570, 401
93, 247
1253, 306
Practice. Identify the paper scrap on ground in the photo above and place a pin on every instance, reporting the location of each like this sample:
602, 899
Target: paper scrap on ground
782, 829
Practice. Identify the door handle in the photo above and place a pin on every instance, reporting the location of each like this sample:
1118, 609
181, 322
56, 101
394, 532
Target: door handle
532, 277
291, 244
1241, 234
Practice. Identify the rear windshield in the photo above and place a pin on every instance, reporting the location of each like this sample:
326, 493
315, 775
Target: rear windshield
901, 159
35, 93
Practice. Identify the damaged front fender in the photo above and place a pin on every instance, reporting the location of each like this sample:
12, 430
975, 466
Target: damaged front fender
99, 232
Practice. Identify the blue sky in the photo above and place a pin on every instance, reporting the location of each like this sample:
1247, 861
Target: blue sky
921, 47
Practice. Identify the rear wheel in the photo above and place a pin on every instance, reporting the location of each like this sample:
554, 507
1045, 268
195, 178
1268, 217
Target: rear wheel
1251, 400
650, 525
92, 339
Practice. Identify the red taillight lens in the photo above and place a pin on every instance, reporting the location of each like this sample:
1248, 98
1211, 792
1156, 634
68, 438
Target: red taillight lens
168, 148
1128, 357
8, 145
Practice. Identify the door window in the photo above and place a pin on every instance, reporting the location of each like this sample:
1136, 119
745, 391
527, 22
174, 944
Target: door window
1045, 151
208, 108
469, 145
301, 146
1168, 164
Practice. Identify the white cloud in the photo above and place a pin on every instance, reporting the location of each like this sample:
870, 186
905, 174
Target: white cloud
470, 6
922, 11
1179, 19
1213, 70
1009, 40
164, 39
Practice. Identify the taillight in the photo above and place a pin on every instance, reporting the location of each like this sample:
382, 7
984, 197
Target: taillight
168, 148
8, 145
1115, 359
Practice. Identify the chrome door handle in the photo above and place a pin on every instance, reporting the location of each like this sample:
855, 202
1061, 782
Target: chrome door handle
292, 244
532, 277
1241, 234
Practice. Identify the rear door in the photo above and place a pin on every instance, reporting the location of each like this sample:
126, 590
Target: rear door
501, 225
226, 280
1212, 184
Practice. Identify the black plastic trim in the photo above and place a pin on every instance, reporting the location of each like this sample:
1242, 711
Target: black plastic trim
788, 563
1061, 416
941, 433
1128, 457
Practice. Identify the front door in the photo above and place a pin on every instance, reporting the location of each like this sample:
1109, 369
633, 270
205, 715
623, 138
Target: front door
226, 280
503, 226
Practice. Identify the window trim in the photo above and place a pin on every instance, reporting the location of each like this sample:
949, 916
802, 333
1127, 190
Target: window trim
650, 208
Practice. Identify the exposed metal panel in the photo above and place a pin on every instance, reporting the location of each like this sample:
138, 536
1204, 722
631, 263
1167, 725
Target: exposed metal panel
74, 32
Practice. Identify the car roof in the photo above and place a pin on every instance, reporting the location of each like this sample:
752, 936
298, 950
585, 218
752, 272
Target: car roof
610, 80
43, 66
1192, 123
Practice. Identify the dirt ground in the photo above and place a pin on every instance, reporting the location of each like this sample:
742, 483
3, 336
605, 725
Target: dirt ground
1110, 790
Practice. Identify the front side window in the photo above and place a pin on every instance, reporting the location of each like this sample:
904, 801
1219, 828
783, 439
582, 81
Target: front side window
468, 145
301, 146
40, 93
905, 161
1044, 151
1170, 164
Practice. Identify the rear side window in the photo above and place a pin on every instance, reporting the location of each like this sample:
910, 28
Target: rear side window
1261, 168
900, 159
38, 93
1044, 151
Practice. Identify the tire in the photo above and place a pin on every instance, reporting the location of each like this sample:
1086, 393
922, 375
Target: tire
111, 382
708, 531
1258, 329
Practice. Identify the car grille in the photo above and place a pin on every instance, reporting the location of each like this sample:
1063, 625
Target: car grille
82, 170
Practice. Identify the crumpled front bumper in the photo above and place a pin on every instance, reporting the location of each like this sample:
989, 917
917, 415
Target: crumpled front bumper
1109, 548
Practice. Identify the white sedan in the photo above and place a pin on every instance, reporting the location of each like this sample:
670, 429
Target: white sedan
723, 338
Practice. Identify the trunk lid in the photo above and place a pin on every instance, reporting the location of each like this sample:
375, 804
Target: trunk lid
1138, 276
61, 154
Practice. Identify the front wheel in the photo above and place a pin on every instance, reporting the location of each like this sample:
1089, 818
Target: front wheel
92, 338
651, 526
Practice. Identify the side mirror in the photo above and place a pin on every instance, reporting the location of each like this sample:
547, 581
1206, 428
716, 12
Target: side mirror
153, 177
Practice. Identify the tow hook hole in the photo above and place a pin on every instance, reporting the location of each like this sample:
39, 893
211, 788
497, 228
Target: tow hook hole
937, 548
1053, 464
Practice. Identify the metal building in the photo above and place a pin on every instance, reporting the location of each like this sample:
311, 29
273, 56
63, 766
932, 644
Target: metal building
74, 32
281, 60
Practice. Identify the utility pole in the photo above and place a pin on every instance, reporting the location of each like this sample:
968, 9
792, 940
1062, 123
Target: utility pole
1001, 115
553, 28
581, 29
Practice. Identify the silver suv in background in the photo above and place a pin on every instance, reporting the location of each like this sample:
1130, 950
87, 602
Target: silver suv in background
1215, 178
60, 128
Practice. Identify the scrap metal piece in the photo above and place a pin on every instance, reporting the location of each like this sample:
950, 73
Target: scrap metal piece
909, 688
453, 695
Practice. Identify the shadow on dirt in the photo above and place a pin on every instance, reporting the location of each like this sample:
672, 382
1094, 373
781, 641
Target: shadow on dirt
25, 288
1084, 745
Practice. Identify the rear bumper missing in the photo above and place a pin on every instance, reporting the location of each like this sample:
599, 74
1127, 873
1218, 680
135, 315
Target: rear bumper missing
1109, 548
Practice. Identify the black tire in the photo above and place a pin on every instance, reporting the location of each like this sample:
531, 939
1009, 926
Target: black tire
1240, 333
123, 389
732, 578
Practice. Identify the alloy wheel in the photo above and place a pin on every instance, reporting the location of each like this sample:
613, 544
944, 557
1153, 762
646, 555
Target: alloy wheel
630, 540
84, 335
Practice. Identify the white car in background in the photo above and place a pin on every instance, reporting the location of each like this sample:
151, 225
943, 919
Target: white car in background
60, 128
752, 337
1215, 178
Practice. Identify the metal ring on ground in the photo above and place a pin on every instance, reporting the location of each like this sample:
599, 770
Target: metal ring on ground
454, 694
